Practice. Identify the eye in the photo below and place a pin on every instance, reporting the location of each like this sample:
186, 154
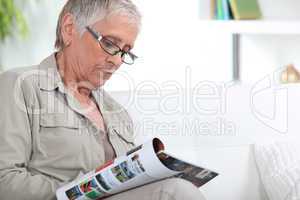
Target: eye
109, 44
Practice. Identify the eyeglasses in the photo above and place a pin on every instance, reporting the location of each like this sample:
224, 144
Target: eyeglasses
111, 48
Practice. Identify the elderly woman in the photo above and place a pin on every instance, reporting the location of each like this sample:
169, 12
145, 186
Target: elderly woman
57, 122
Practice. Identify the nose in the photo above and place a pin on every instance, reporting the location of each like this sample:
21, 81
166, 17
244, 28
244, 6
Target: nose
116, 60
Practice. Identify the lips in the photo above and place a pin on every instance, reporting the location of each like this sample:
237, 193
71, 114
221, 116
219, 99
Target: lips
105, 75
104, 72
109, 70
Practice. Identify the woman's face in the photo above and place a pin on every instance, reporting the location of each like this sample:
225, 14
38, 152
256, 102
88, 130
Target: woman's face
93, 66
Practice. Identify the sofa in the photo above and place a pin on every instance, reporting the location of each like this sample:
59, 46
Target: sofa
218, 125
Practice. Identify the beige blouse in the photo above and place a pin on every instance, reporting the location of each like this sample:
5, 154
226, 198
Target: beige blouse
45, 141
92, 112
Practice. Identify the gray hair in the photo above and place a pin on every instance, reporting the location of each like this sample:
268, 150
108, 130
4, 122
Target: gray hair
87, 12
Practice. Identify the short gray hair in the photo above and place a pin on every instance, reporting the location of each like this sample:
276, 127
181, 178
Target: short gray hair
87, 12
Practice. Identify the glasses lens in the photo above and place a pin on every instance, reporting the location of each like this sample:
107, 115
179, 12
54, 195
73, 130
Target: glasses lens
128, 58
109, 46
112, 49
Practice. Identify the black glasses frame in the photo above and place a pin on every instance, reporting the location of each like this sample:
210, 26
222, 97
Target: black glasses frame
117, 50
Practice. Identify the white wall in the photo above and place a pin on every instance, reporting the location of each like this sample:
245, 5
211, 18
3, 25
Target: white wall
265, 55
169, 48
262, 55
41, 16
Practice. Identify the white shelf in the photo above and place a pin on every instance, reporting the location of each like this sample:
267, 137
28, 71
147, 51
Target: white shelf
251, 26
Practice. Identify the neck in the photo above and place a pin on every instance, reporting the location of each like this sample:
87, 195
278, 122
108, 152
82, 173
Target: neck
68, 75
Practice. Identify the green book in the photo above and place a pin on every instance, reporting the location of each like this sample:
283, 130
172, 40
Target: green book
220, 13
245, 9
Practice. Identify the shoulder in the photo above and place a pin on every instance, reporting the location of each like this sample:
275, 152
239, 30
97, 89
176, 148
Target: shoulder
19, 81
18, 74
31, 75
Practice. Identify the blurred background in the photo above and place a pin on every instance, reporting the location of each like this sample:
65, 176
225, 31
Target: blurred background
179, 41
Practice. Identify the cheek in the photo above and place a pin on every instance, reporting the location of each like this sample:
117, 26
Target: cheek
89, 63
90, 54
94, 60
90, 59
92, 72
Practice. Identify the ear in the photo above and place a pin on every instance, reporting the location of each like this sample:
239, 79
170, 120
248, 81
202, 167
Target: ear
68, 29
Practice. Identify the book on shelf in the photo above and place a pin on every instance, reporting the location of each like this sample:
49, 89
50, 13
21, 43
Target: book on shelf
226, 10
245, 9
220, 10
234, 9
144, 164
213, 9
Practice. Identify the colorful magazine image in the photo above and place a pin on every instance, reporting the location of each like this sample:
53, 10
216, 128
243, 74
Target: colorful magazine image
102, 182
91, 189
197, 175
172, 163
137, 165
142, 165
119, 174
124, 166
109, 178
74, 193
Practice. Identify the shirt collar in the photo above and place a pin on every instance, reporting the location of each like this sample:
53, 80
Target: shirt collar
49, 77
50, 80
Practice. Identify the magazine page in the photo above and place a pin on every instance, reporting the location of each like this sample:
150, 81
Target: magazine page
190, 172
138, 167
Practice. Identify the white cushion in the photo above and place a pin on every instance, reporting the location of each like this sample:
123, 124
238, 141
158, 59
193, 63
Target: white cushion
279, 166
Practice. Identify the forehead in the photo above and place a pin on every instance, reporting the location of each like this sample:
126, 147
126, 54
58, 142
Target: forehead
118, 27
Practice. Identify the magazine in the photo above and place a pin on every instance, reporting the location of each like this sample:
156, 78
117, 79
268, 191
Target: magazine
144, 164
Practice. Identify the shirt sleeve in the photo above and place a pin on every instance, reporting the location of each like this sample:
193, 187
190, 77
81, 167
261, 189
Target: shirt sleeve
16, 181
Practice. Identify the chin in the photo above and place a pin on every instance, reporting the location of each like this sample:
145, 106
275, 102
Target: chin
98, 82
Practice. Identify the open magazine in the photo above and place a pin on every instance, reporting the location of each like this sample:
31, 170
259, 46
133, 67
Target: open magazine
144, 164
